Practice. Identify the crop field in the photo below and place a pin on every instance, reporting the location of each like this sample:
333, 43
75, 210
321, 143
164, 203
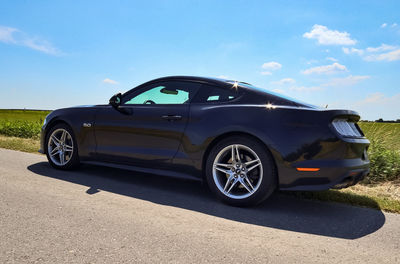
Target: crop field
384, 150
386, 133
21, 123
23, 115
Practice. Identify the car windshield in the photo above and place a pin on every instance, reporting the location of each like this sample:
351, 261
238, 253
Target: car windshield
263, 90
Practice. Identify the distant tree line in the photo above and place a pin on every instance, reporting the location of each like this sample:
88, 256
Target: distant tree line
380, 120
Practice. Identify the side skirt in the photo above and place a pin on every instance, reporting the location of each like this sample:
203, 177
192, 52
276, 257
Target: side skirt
173, 174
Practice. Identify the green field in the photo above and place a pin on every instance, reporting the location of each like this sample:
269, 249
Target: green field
386, 133
21, 123
23, 115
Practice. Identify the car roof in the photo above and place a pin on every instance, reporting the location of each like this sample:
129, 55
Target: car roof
214, 80
190, 78
223, 83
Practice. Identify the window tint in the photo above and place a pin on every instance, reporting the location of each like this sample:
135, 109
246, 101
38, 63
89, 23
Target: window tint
213, 94
275, 98
164, 93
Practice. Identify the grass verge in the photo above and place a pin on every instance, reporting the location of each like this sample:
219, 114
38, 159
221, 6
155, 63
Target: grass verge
22, 144
359, 195
383, 196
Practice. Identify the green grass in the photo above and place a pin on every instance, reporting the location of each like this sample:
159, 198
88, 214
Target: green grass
384, 151
347, 196
30, 145
387, 133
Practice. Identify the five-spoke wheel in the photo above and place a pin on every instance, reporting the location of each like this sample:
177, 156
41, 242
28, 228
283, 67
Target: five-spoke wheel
237, 171
60, 146
240, 171
61, 150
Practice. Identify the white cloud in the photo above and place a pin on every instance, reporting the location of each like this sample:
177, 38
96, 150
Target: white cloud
40, 45
266, 73
272, 65
347, 81
331, 59
326, 36
14, 36
379, 105
373, 106
383, 25
394, 25
326, 69
109, 81
6, 34
388, 56
353, 50
383, 52
222, 77
382, 47
284, 81
372, 98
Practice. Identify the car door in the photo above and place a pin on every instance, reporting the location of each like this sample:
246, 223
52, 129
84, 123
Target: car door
147, 128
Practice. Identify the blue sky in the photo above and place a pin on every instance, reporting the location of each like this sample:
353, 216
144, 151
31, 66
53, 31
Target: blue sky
344, 54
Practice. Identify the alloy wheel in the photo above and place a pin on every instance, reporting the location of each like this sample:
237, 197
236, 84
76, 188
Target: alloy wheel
60, 147
237, 171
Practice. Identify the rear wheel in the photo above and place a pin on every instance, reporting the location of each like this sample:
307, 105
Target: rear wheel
240, 171
62, 151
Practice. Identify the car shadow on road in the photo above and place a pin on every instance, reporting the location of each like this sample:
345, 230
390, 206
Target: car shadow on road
280, 211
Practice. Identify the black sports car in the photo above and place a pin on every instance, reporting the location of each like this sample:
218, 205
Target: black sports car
245, 142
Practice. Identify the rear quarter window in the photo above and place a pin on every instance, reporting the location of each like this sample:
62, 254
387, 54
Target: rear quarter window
214, 94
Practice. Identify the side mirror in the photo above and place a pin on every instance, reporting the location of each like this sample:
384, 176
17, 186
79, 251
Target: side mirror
115, 100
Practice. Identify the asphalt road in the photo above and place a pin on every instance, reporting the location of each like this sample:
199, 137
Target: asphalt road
104, 215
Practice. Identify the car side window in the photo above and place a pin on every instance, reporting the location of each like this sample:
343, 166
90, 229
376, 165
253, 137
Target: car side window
214, 94
173, 92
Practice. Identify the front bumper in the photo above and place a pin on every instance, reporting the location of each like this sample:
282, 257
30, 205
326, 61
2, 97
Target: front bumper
42, 139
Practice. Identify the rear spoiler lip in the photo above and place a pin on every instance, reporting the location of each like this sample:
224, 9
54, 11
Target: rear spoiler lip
349, 115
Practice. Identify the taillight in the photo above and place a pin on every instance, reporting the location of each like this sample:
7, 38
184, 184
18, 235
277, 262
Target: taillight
346, 128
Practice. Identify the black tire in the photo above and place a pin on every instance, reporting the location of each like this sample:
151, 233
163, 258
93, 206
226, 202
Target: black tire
73, 160
269, 177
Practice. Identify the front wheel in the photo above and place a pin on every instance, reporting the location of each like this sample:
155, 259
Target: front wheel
62, 150
240, 171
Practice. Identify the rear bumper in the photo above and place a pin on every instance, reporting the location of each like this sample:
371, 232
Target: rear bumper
352, 178
335, 174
